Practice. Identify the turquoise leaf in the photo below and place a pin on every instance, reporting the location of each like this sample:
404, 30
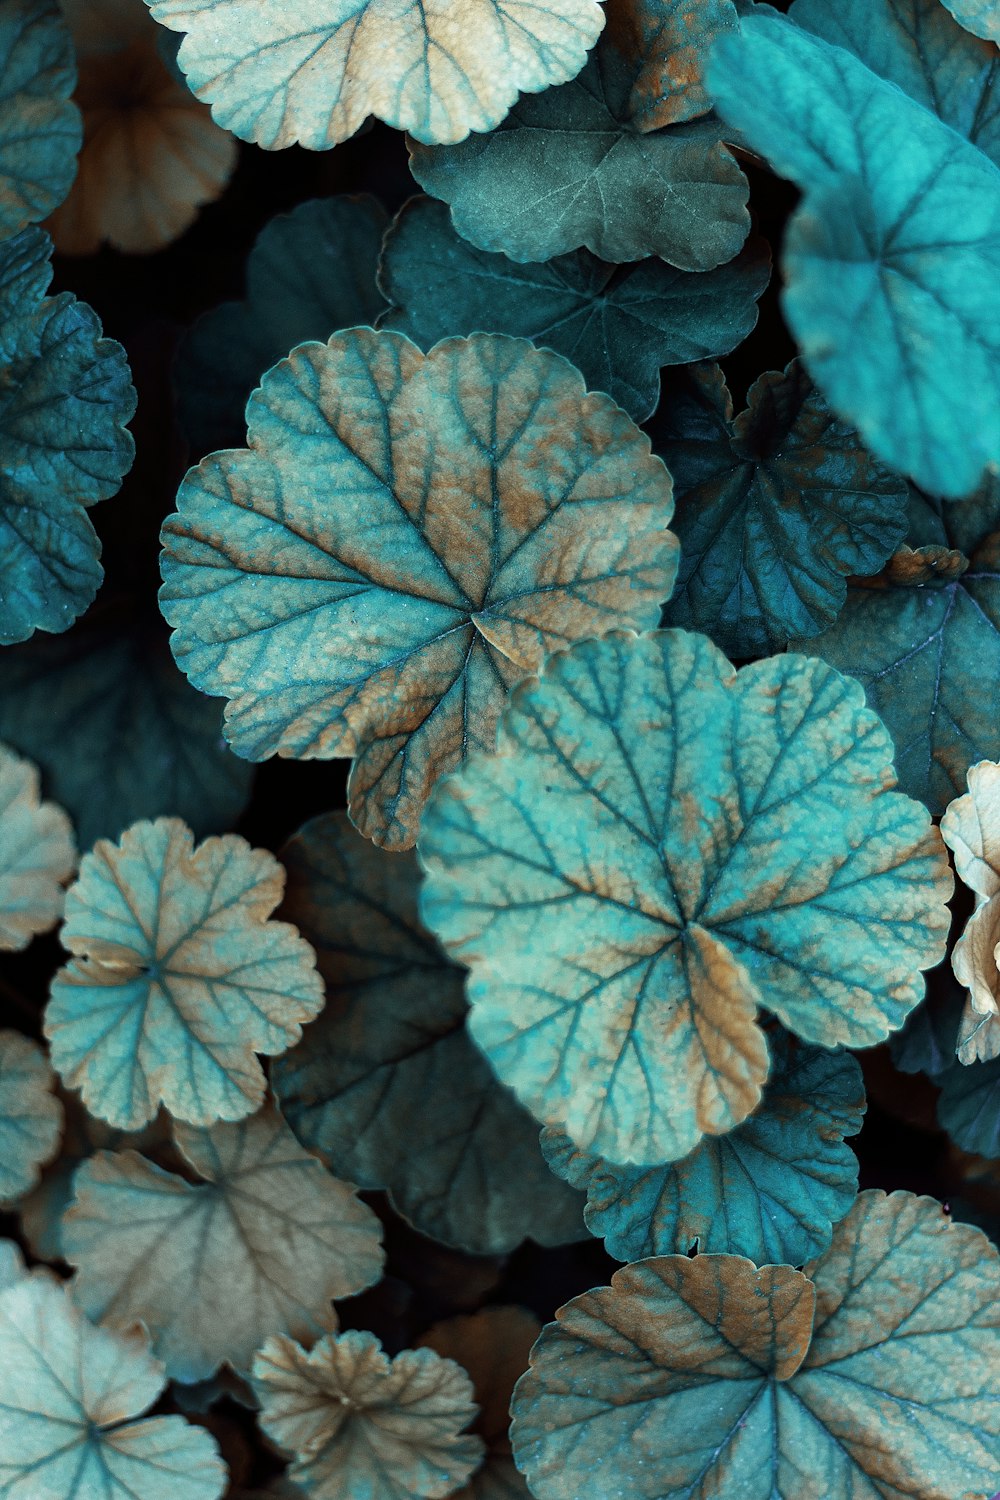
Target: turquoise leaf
774, 509
387, 1083
30, 1115
660, 847
969, 1105
40, 127
65, 396
771, 1189
898, 234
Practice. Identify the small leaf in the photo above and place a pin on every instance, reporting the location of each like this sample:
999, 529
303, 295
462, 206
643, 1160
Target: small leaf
69, 1394
37, 854
361, 1426
262, 1245
478, 510
926, 1044
387, 1083
969, 1106
30, 1114
774, 509
771, 1189
279, 72
660, 847
177, 977
40, 127
63, 442
981, 17
708, 1377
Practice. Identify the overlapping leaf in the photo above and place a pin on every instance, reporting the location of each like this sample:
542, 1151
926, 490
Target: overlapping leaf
708, 1376
899, 234
774, 509
37, 854
924, 638
310, 273
625, 161
40, 129
981, 17
177, 977
11, 1264
971, 829
311, 71
969, 1106
659, 847
71, 1398
361, 1426
618, 324
30, 1114
771, 1189
387, 1083
477, 510
260, 1246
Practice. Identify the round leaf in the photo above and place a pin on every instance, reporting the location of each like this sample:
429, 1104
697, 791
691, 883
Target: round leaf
981, 17
37, 854
30, 1114
969, 1105
40, 127
661, 846
477, 509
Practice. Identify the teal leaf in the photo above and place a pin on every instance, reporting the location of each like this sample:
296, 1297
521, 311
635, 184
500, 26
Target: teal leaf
978, 16
898, 234
65, 396
177, 977
11, 1264
30, 1114
310, 273
618, 324
771, 1189
479, 509
618, 162
117, 731
709, 1377
913, 635
774, 509
660, 847
969, 1105
387, 1083
261, 1245
929, 1038
361, 1426
40, 127
71, 1398
37, 854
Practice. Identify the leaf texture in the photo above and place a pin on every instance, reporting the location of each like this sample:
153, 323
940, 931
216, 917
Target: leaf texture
40, 128
30, 1114
37, 854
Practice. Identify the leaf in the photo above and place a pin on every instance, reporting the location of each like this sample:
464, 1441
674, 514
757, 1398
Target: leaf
584, 165
911, 647
926, 1043
617, 324
278, 72
30, 1115
39, 125
774, 509
362, 1426
387, 1083
660, 846
261, 1245
771, 1189
478, 510
11, 1265
37, 854
493, 1346
118, 732
971, 829
63, 443
978, 16
310, 273
68, 1395
969, 1106
899, 233
708, 1377
177, 977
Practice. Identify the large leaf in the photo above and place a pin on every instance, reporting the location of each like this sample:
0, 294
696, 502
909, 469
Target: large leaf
709, 1377
177, 977
971, 829
981, 17
30, 1114
624, 161
387, 1083
618, 324
280, 71
260, 1246
661, 846
310, 273
361, 1426
69, 1397
774, 509
37, 854
40, 129
771, 1189
924, 638
899, 234
477, 510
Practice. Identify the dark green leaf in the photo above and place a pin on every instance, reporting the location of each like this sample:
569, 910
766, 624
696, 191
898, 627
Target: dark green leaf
40, 127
